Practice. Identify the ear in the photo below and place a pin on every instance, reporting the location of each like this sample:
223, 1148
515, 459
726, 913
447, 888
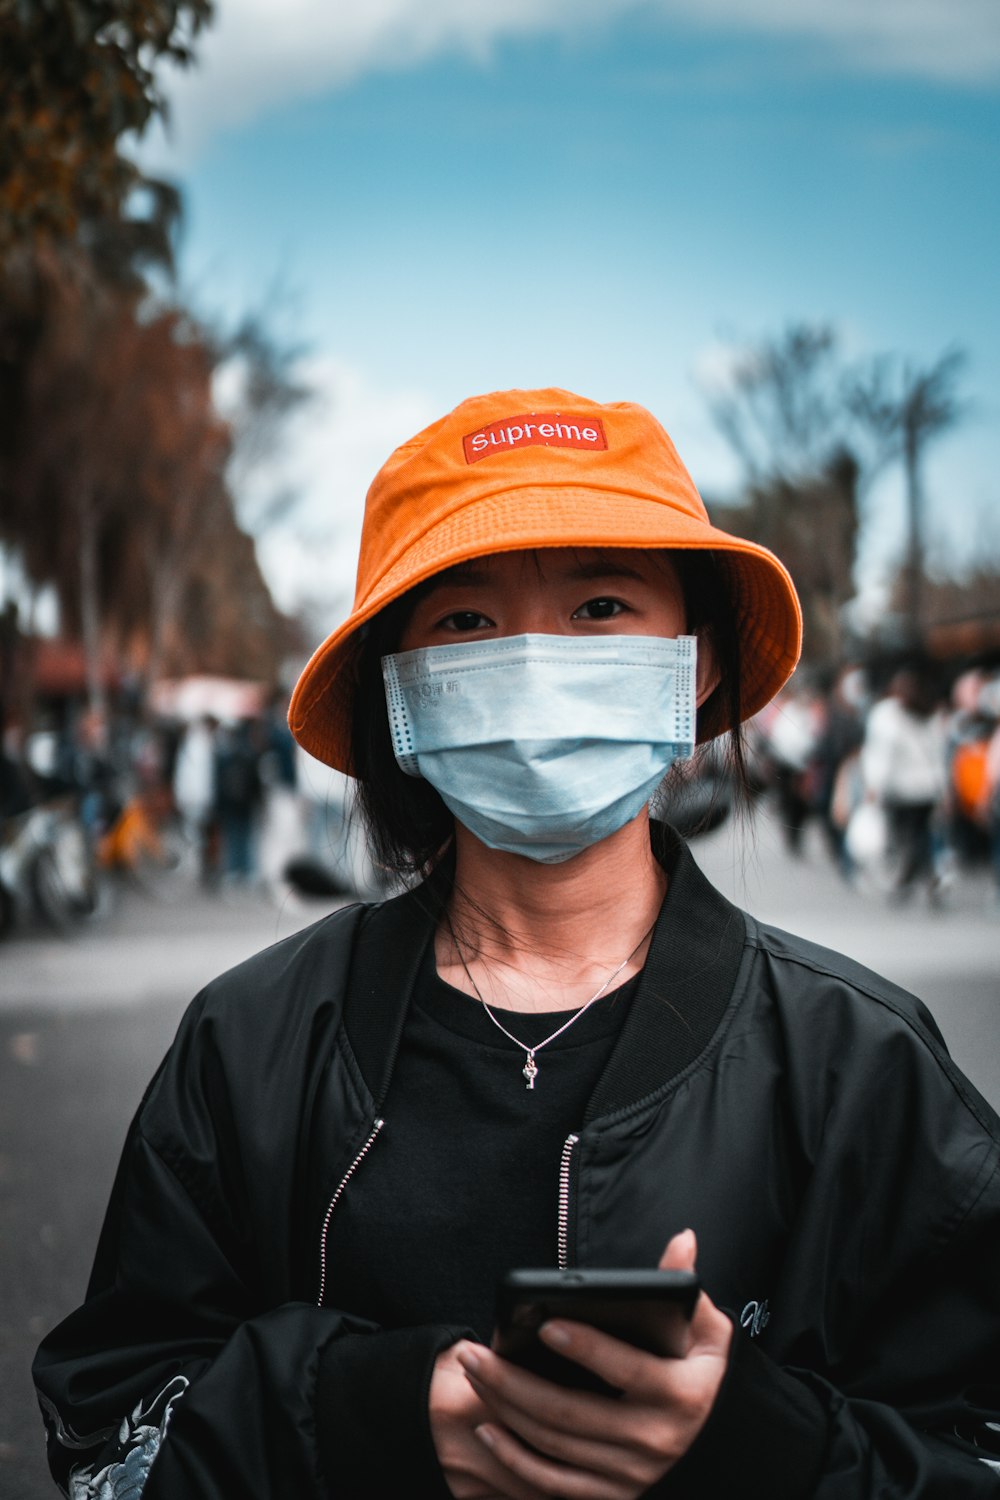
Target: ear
707, 676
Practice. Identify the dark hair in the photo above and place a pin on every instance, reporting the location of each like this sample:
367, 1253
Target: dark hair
409, 827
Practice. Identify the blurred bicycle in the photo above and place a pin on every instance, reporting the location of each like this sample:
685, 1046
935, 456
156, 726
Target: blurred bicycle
47, 868
146, 844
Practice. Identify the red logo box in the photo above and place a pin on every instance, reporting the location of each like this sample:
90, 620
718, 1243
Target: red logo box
536, 429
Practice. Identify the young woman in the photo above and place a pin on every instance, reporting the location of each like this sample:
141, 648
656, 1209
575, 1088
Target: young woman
561, 1046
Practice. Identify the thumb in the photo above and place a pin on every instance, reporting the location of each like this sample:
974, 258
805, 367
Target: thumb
681, 1252
710, 1330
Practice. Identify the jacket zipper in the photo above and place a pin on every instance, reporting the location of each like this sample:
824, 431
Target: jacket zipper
563, 1229
333, 1203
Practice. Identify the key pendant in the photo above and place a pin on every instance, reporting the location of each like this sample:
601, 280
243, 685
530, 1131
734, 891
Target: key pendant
530, 1070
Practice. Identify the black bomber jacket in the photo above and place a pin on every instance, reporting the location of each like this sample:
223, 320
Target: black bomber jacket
800, 1113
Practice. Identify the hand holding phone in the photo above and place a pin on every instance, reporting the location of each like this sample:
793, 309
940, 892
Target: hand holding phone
649, 1309
558, 1441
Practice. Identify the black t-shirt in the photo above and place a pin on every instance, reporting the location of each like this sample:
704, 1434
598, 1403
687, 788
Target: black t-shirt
463, 1182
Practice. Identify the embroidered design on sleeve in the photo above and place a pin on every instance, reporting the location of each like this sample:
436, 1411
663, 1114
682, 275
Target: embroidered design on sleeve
139, 1439
991, 1432
755, 1317
65, 1436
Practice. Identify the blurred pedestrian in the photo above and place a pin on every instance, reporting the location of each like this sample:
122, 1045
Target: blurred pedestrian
904, 764
281, 819
970, 727
194, 790
237, 800
19, 789
793, 738
991, 705
835, 759
85, 764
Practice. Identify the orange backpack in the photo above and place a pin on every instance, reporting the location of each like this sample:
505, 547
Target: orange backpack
970, 779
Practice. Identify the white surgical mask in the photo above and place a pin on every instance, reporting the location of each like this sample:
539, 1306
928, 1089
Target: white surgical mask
543, 744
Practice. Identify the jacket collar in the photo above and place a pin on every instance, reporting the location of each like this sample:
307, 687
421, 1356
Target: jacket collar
686, 984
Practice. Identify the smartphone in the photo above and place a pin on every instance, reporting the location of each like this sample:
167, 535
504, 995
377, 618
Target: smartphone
651, 1309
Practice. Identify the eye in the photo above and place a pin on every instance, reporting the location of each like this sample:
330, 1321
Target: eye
462, 621
601, 608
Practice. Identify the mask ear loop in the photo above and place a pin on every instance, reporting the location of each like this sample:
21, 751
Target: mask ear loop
399, 720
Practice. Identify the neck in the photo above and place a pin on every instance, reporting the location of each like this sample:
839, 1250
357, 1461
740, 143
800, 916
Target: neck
544, 937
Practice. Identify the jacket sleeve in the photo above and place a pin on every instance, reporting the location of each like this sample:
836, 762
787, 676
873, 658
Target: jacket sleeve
778, 1433
182, 1376
787, 1432
879, 1373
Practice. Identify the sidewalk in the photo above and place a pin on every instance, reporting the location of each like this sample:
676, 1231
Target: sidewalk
145, 950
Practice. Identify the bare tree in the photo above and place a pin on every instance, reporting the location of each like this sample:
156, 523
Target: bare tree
264, 389
781, 410
904, 408
779, 407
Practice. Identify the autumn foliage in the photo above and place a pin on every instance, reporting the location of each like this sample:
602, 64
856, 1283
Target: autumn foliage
113, 457
75, 77
114, 490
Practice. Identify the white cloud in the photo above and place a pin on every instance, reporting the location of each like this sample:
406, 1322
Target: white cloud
930, 38
333, 447
715, 366
261, 53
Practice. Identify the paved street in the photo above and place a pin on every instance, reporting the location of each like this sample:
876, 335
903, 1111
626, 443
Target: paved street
83, 1023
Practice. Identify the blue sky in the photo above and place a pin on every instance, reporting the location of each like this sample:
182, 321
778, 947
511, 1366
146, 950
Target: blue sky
443, 197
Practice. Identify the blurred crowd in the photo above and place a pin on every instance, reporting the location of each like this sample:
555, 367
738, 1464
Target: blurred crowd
233, 803
904, 782
261, 811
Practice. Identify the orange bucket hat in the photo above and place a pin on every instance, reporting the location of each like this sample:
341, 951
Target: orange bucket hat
515, 470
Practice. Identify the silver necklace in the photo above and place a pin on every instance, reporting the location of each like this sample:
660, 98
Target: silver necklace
530, 1069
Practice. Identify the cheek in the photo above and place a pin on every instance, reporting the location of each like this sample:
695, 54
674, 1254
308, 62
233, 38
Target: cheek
410, 638
670, 608
417, 630
674, 617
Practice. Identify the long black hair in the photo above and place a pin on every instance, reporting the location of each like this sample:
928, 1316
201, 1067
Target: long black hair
409, 827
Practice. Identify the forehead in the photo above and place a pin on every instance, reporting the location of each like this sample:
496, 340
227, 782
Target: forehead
555, 565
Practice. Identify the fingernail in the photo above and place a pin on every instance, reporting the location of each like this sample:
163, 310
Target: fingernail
554, 1334
485, 1436
469, 1361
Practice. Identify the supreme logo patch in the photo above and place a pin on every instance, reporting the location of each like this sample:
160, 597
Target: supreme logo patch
538, 429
